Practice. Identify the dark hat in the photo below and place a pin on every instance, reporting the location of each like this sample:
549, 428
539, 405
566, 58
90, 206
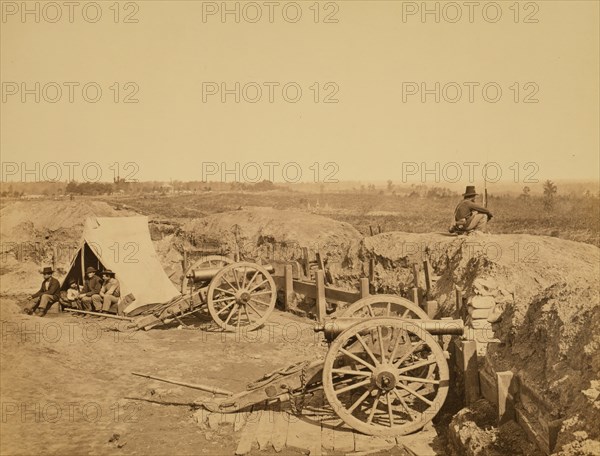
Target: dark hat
72, 281
470, 191
47, 270
91, 269
108, 272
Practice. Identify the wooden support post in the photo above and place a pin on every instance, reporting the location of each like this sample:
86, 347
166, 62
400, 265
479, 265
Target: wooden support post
371, 270
371, 230
506, 406
471, 371
415, 295
379, 228
305, 262
321, 303
288, 274
364, 287
184, 261
431, 307
321, 266
458, 299
415, 269
427, 269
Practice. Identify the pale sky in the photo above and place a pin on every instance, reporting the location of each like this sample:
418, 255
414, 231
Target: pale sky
373, 57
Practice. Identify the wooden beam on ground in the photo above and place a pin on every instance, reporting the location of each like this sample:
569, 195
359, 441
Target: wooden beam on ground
321, 301
288, 287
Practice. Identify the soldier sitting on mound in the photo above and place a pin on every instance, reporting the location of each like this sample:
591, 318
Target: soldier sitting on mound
468, 216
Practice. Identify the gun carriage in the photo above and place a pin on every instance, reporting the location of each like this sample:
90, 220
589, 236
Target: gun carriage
384, 372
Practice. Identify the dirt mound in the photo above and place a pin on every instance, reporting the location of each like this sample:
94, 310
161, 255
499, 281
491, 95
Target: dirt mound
546, 295
275, 234
36, 233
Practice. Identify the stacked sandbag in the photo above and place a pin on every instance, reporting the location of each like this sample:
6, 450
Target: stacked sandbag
482, 308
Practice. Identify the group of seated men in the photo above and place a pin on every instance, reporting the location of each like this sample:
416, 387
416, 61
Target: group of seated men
98, 294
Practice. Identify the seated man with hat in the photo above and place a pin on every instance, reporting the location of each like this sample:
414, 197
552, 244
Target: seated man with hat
47, 295
91, 286
469, 216
109, 293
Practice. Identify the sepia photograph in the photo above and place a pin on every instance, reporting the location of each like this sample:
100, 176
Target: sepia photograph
310, 227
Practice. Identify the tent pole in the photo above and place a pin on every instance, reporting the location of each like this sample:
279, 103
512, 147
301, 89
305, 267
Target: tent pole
83, 262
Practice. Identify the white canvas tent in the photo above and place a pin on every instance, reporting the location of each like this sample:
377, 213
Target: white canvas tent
123, 245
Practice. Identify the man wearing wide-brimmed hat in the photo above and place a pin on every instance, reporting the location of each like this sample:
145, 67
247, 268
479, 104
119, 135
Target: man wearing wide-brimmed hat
109, 293
91, 286
469, 216
47, 295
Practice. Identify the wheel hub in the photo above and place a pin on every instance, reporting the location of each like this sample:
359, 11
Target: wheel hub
384, 377
243, 297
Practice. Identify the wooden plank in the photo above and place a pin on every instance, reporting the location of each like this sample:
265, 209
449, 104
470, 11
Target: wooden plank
367, 443
327, 436
470, 371
343, 439
415, 295
415, 269
264, 430
372, 270
305, 262
427, 270
364, 287
431, 307
331, 294
288, 286
489, 387
248, 438
305, 436
458, 299
321, 301
280, 428
506, 406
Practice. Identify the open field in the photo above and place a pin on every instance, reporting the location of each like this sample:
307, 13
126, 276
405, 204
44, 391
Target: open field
573, 218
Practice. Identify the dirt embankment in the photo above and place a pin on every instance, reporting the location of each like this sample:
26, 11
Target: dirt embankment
546, 291
274, 234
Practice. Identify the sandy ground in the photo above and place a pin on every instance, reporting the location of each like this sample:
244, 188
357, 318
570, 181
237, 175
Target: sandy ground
66, 387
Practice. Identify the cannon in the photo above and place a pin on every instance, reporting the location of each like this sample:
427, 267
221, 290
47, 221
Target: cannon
238, 296
384, 373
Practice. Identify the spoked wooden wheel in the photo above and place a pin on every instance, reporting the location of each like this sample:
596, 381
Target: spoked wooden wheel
188, 285
385, 377
241, 295
385, 306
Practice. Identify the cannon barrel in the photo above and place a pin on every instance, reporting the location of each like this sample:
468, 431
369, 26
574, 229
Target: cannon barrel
444, 327
203, 275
